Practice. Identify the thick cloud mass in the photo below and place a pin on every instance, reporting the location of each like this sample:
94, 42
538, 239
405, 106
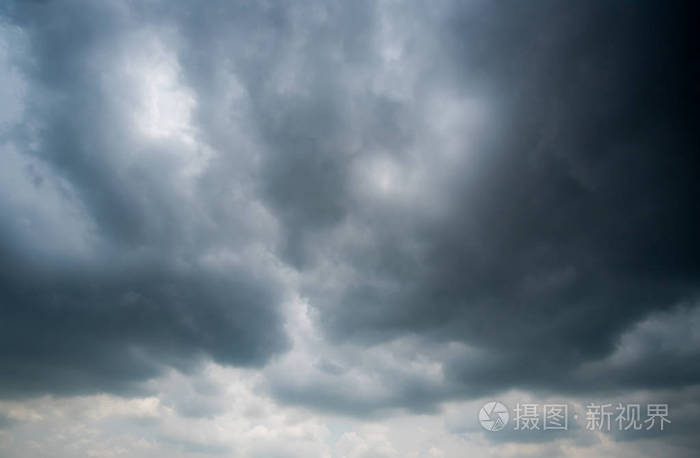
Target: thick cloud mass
128, 243
573, 216
465, 198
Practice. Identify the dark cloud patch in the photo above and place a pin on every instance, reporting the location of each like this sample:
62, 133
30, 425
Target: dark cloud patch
517, 180
293, 65
6, 422
572, 219
79, 331
119, 258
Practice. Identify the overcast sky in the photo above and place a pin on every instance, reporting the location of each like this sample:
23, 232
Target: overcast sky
338, 228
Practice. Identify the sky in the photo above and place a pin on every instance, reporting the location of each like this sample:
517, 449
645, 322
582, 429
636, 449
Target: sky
340, 229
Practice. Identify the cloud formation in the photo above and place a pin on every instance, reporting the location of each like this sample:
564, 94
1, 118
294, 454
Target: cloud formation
376, 207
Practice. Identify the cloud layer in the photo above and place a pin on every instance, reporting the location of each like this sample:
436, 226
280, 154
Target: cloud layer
377, 207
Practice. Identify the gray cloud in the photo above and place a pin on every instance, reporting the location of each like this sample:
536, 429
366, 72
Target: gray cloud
471, 198
572, 218
120, 254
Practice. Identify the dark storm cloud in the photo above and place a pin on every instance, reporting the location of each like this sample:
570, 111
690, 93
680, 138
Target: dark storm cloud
580, 219
79, 331
114, 266
573, 217
518, 179
295, 63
